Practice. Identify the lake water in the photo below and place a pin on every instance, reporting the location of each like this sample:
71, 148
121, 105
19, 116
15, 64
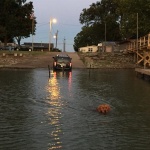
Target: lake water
59, 113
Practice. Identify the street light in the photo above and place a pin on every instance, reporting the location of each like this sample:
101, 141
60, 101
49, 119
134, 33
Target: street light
52, 20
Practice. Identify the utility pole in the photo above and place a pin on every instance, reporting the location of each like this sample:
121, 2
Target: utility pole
137, 37
64, 45
32, 19
32, 35
56, 38
52, 20
105, 31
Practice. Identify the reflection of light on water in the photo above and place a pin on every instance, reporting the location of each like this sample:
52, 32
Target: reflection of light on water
54, 112
69, 81
53, 89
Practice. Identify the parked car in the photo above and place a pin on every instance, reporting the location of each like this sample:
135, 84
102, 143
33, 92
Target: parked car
62, 62
10, 48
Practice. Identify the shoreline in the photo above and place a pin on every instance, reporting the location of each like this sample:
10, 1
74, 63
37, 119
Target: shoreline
33, 60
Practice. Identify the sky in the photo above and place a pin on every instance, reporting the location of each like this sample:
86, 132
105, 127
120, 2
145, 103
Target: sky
67, 13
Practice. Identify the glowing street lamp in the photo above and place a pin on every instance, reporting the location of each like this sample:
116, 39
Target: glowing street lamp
52, 20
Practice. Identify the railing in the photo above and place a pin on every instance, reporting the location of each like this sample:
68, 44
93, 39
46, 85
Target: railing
141, 49
149, 41
143, 43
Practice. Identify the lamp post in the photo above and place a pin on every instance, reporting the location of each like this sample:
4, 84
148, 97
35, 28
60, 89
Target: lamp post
56, 37
52, 20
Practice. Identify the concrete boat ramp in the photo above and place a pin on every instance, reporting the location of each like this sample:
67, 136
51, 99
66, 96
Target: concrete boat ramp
143, 73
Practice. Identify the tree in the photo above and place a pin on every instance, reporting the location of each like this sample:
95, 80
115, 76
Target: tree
15, 20
127, 11
117, 17
96, 19
28, 22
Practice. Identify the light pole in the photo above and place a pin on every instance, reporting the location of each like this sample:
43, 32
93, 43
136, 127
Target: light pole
64, 45
56, 37
52, 20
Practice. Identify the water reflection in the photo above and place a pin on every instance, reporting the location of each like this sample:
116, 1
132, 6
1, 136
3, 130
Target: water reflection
54, 112
58, 74
41, 114
53, 89
64, 74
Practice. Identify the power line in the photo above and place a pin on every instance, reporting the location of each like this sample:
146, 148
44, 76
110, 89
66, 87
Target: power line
46, 23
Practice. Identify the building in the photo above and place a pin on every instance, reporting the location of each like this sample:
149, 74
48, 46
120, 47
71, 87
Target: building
107, 47
37, 46
101, 47
88, 49
8, 46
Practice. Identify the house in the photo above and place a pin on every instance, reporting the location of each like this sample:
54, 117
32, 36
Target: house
37, 46
101, 47
107, 47
88, 49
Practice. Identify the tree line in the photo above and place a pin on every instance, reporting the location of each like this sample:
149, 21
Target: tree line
17, 20
113, 20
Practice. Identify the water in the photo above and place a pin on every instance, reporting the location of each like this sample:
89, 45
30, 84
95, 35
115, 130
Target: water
38, 113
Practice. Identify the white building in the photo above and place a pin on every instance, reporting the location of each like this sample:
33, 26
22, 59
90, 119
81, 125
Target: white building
88, 49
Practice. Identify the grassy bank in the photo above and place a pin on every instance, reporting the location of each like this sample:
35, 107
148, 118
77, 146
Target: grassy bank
33, 53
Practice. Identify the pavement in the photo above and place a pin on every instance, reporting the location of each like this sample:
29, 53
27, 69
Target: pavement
76, 61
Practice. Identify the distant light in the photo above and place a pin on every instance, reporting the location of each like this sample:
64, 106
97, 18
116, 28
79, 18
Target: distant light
54, 20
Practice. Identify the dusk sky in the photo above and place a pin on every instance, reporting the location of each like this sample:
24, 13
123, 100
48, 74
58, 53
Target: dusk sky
66, 12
